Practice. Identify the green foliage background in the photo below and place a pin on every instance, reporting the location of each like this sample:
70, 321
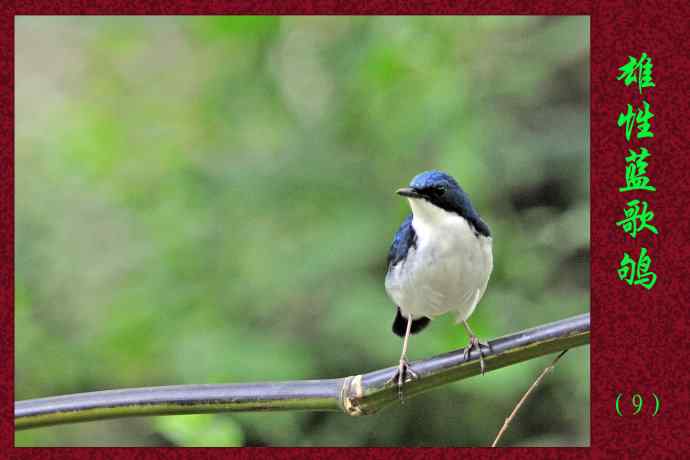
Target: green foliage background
210, 199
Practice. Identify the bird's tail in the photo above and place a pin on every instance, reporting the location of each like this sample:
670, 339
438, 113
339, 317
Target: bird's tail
400, 324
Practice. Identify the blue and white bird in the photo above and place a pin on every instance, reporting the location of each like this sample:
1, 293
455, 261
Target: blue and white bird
440, 261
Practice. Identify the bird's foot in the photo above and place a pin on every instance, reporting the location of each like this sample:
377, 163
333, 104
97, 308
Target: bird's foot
478, 344
402, 375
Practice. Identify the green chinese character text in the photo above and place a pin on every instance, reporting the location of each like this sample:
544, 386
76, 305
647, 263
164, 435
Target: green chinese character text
639, 71
636, 218
637, 272
641, 117
635, 172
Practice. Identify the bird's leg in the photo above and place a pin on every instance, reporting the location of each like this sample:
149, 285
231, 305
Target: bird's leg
475, 343
404, 372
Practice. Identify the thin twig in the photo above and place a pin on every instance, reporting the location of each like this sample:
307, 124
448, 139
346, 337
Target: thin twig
510, 418
361, 394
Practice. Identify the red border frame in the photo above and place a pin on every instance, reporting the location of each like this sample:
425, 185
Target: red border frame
640, 337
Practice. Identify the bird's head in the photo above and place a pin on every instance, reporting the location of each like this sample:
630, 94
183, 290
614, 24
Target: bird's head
438, 189
432, 191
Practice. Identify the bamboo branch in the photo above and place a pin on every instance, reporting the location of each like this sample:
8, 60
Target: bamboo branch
355, 395
510, 418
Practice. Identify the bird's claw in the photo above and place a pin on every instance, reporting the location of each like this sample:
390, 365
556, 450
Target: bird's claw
402, 375
478, 344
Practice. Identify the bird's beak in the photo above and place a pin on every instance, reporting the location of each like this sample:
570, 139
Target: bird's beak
408, 192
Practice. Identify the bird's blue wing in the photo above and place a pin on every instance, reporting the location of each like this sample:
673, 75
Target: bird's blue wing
405, 239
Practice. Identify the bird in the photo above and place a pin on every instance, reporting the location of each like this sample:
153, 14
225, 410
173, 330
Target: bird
440, 262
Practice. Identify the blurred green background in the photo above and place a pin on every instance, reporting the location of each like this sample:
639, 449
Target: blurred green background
211, 200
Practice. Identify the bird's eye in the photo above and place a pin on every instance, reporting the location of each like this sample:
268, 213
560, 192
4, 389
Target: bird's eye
440, 189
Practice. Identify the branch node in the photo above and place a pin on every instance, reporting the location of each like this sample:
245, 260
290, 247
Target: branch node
350, 395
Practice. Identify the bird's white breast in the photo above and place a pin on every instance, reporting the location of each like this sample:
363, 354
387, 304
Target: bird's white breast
447, 271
